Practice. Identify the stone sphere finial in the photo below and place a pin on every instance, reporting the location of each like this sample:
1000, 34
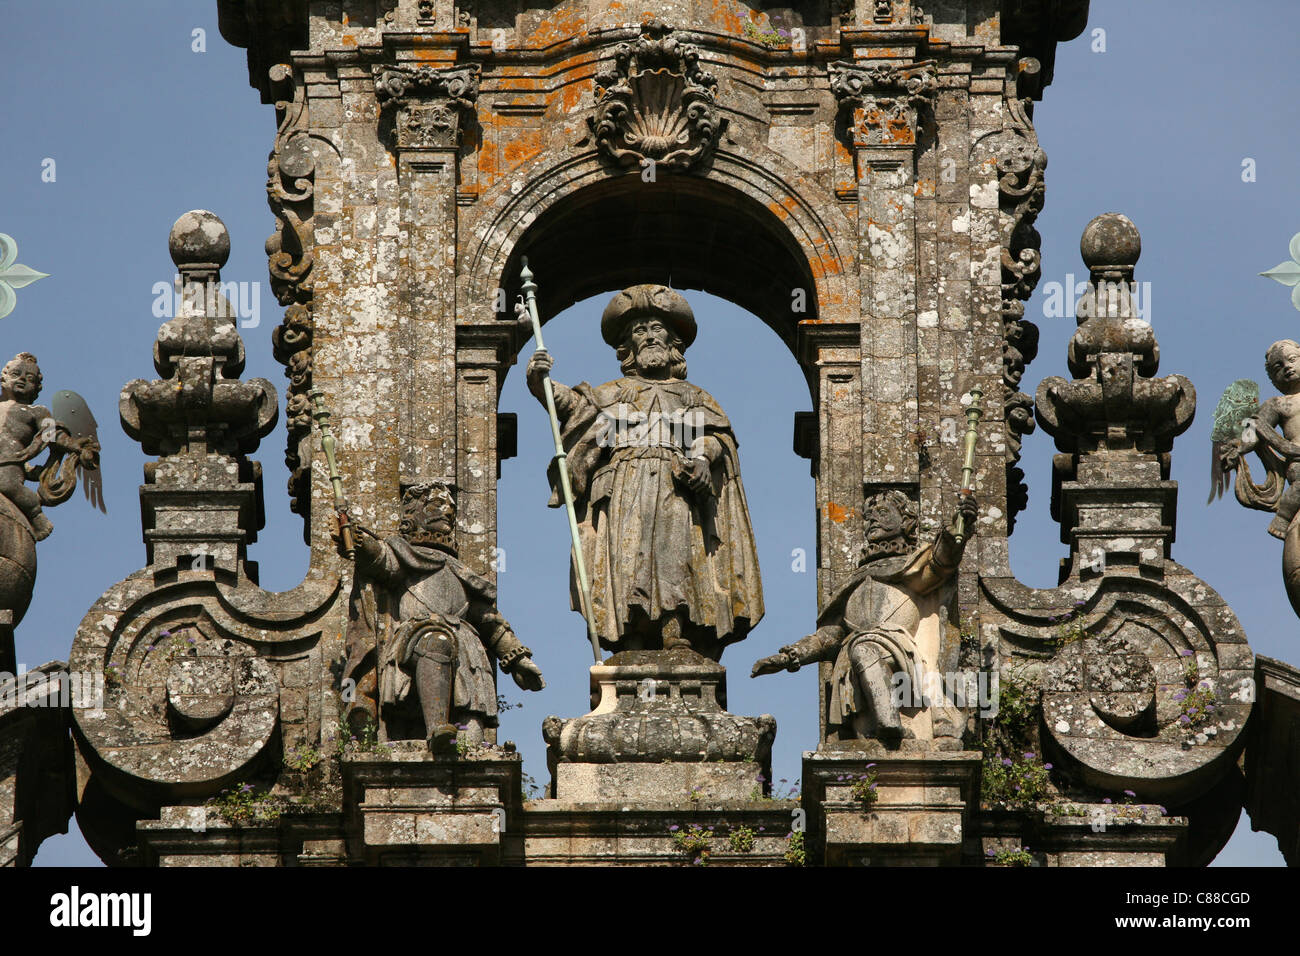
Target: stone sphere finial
1111, 244
199, 240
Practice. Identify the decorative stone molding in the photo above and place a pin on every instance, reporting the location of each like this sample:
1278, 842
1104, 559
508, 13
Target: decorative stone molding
1145, 673
887, 102
426, 105
1021, 164
205, 674
290, 192
657, 104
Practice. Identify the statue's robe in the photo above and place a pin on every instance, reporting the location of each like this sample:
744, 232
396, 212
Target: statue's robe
648, 541
401, 583
899, 604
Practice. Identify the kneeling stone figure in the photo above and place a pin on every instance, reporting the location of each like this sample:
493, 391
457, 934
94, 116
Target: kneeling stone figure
425, 628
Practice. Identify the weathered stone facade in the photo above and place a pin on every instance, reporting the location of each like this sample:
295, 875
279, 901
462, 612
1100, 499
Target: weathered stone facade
865, 181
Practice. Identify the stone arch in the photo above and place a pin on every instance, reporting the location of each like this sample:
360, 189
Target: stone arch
758, 210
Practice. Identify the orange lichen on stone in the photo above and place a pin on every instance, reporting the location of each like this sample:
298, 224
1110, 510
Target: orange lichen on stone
522, 146
838, 513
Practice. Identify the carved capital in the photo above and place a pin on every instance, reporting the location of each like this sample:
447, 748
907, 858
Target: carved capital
426, 105
656, 104
886, 102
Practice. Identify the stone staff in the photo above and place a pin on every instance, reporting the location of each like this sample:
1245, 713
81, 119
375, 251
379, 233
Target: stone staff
528, 308
973, 415
347, 543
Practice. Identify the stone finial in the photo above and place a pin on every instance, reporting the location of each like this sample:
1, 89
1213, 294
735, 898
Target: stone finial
202, 496
1110, 246
1114, 403
199, 244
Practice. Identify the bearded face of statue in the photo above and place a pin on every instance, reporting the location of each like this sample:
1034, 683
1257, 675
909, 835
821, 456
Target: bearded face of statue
890, 525
428, 516
652, 350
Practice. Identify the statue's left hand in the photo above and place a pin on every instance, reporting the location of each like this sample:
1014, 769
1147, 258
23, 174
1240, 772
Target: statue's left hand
968, 509
527, 674
696, 475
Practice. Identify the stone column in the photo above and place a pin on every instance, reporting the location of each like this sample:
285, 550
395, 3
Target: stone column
422, 111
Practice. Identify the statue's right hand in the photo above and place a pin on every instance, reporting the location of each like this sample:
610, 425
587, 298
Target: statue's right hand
538, 367
770, 665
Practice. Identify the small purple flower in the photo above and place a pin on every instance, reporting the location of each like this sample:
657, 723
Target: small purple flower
1006, 762
1184, 719
1047, 766
1107, 800
1029, 756
990, 853
710, 829
761, 829
190, 640
246, 788
166, 634
673, 829
1130, 793
1187, 653
870, 765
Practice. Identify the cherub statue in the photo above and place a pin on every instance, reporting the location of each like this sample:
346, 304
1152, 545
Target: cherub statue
882, 631
26, 430
425, 629
1272, 431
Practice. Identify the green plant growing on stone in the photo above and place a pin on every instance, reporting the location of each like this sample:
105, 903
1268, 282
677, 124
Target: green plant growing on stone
302, 760
366, 740
863, 786
795, 854
243, 804
769, 38
1198, 699
1019, 701
1018, 857
1017, 784
741, 839
695, 841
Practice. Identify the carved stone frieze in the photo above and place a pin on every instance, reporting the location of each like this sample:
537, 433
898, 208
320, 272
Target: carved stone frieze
656, 104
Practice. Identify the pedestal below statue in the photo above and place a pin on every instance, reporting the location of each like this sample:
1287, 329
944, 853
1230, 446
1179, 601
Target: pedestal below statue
665, 712
869, 807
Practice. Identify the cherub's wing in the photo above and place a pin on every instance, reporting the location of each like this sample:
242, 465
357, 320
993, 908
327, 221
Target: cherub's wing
71, 410
1238, 404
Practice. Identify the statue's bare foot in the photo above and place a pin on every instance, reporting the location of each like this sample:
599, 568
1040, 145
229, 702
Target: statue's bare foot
1277, 527
442, 741
41, 526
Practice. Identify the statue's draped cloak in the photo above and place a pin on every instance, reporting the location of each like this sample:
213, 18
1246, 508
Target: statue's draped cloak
406, 583
896, 604
648, 542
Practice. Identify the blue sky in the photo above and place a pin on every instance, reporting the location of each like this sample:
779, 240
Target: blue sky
142, 128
